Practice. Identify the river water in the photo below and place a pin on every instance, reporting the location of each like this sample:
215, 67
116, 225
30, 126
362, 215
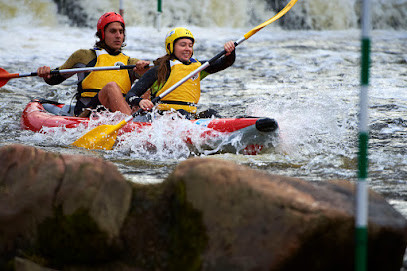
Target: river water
308, 80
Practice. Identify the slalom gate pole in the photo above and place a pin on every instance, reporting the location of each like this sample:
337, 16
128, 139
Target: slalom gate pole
159, 12
362, 200
121, 8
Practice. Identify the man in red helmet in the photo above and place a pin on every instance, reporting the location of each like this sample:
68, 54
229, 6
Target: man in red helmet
105, 88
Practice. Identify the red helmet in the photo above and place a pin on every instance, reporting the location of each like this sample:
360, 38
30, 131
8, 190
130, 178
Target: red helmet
106, 19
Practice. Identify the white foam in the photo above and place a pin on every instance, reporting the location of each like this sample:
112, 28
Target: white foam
313, 14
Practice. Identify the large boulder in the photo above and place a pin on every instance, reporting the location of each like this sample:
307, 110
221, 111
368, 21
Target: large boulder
78, 213
258, 221
60, 207
29, 179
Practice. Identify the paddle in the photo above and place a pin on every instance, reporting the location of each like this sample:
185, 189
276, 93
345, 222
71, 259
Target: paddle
5, 76
104, 136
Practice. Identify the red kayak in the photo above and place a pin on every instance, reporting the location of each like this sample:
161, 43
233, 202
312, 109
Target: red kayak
246, 135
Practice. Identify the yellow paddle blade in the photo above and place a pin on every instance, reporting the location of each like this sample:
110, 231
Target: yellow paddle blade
269, 21
101, 138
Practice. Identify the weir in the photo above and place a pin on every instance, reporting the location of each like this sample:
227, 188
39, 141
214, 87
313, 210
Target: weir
310, 14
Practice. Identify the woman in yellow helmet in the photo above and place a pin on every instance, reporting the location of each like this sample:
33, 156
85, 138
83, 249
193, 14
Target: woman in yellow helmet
171, 68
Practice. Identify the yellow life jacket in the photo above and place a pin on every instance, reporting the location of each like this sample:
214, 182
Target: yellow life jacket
187, 95
95, 81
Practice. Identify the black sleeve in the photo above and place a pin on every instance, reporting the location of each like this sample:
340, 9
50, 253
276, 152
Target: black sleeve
133, 97
222, 63
55, 79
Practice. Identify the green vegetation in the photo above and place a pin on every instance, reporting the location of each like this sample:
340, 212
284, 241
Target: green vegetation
163, 230
72, 239
188, 237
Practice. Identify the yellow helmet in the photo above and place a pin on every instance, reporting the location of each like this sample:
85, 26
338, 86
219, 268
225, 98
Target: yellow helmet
173, 35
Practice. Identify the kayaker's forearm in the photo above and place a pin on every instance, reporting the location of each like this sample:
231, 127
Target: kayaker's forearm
141, 87
133, 100
55, 79
222, 63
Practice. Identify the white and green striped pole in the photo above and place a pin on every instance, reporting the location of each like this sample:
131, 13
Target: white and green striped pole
121, 8
159, 12
362, 187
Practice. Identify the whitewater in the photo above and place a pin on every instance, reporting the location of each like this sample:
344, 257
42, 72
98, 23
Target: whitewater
303, 71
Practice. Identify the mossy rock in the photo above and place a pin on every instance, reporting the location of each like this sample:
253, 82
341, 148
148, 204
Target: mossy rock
72, 239
163, 231
188, 237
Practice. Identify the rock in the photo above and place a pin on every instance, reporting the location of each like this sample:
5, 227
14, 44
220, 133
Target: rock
29, 179
61, 207
78, 213
162, 230
21, 264
98, 186
257, 221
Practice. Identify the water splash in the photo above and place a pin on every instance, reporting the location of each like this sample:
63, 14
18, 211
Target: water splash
167, 137
62, 136
170, 136
312, 133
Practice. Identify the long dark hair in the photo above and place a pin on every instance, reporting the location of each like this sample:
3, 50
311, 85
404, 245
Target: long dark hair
101, 43
163, 68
